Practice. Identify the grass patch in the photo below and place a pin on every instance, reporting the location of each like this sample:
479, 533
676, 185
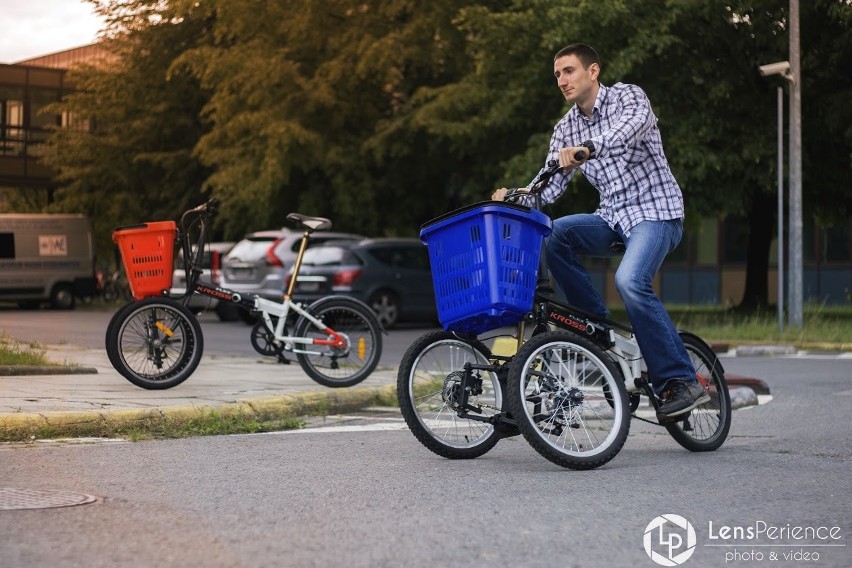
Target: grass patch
214, 424
13, 352
211, 423
821, 325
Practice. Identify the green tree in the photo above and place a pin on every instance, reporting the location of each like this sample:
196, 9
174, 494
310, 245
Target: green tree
381, 114
698, 62
132, 159
720, 114
303, 107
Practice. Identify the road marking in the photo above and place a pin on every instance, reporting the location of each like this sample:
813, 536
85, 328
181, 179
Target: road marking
377, 427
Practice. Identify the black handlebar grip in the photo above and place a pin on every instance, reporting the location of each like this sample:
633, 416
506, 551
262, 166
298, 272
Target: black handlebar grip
581, 155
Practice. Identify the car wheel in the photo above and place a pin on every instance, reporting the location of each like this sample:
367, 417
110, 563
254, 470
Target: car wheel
62, 297
247, 317
227, 312
386, 306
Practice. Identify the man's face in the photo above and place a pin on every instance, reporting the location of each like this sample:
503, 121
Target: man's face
576, 83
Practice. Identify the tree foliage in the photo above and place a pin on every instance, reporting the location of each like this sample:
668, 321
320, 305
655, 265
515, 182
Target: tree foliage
135, 163
381, 114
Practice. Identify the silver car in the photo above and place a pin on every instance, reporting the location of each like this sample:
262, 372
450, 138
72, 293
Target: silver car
258, 263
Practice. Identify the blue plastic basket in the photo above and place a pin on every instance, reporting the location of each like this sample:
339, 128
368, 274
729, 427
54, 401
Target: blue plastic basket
484, 261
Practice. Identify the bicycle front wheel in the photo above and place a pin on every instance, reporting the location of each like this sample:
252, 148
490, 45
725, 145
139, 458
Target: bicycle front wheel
569, 400
429, 386
706, 427
155, 343
340, 366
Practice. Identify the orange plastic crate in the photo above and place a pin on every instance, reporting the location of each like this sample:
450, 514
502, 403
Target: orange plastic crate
147, 252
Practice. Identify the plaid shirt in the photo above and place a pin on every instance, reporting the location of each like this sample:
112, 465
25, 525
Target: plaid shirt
629, 168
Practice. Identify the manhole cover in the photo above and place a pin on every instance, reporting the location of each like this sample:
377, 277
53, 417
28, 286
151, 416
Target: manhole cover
11, 499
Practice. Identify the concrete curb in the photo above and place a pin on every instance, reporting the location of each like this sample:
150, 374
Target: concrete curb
30, 370
756, 385
23, 427
742, 397
765, 350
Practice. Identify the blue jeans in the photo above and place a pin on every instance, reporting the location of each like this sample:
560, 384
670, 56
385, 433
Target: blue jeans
646, 247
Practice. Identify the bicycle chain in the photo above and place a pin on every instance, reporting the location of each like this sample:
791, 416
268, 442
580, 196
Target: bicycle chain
645, 420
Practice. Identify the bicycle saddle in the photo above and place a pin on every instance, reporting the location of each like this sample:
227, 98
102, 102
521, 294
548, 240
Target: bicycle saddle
312, 223
617, 247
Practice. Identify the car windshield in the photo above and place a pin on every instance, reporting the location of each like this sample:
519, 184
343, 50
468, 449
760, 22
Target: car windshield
329, 256
250, 249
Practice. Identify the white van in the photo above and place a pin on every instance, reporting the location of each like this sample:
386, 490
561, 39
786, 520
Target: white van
46, 258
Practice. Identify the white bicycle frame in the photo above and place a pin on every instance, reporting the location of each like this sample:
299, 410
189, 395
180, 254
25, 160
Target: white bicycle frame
629, 358
624, 352
281, 310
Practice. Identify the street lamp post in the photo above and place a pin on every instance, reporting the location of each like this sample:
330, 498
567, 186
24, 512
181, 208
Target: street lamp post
781, 68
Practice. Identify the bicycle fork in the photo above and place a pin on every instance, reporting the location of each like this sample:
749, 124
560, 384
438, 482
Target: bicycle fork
158, 335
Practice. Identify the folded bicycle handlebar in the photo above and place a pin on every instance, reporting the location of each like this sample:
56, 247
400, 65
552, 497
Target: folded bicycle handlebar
537, 185
209, 208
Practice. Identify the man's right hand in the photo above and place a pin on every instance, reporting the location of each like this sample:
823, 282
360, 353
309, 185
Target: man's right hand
499, 194
568, 156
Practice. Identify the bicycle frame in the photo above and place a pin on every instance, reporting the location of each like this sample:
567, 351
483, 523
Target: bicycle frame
547, 309
622, 345
254, 303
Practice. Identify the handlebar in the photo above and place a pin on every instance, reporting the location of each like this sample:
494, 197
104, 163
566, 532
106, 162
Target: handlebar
209, 208
541, 180
193, 253
538, 183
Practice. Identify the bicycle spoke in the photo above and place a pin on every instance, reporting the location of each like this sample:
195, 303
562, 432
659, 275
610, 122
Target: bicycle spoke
572, 406
429, 388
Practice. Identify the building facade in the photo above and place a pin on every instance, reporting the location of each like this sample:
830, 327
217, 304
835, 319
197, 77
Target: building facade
26, 87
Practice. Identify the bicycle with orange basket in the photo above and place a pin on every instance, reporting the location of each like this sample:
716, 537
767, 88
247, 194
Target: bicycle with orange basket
156, 342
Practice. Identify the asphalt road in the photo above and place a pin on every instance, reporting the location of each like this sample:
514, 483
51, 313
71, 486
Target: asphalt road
365, 493
361, 491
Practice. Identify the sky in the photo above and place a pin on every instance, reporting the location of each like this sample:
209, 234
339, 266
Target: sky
29, 28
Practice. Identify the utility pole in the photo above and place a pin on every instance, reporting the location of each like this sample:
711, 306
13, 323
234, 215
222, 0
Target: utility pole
780, 172
796, 273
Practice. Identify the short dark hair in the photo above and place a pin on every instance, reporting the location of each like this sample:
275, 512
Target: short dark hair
586, 54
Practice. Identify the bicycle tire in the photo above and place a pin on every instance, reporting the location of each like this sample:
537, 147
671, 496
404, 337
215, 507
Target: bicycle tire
564, 391
706, 427
155, 343
116, 317
427, 373
341, 367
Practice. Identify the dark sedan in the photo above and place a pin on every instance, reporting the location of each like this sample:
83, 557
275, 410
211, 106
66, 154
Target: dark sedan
391, 275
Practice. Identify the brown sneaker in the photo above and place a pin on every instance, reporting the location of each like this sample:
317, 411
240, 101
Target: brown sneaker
679, 397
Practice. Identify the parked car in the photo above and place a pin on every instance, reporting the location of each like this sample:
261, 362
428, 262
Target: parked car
46, 258
258, 263
211, 263
391, 275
